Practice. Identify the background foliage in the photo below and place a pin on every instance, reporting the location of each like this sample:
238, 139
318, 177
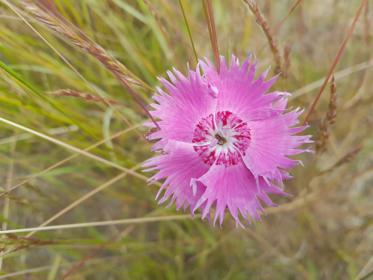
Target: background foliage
324, 231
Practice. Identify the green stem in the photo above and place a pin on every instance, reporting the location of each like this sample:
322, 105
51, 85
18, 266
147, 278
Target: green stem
188, 28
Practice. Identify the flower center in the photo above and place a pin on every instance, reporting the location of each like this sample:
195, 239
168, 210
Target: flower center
221, 138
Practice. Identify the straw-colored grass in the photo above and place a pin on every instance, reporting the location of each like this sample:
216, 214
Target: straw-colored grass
74, 84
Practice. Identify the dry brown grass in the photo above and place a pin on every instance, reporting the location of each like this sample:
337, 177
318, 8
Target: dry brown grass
69, 192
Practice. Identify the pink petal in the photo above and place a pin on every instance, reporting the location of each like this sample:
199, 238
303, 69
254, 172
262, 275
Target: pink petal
235, 188
178, 110
239, 92
179, 165
272, 140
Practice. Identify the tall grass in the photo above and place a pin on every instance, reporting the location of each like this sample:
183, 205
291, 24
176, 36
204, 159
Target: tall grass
73, 202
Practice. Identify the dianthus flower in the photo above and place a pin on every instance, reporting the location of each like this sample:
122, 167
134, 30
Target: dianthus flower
223, 142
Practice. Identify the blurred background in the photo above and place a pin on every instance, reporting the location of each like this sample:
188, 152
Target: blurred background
72, 141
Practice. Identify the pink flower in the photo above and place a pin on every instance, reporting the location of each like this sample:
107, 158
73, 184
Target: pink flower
223, 141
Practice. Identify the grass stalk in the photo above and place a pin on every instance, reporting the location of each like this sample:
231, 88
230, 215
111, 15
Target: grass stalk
337, 58
130, 221
57, 23
74, 149
209, 14
65, 160
188, 29
260, 19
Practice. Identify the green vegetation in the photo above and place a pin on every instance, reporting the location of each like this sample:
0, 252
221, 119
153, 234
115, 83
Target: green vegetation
48, 164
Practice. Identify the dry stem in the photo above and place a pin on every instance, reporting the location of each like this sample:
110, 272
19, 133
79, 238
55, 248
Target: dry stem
260, 19
85, 96
207, 7
52, 19
336, 60
329, 118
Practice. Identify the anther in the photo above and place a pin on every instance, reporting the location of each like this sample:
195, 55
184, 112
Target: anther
221, 139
